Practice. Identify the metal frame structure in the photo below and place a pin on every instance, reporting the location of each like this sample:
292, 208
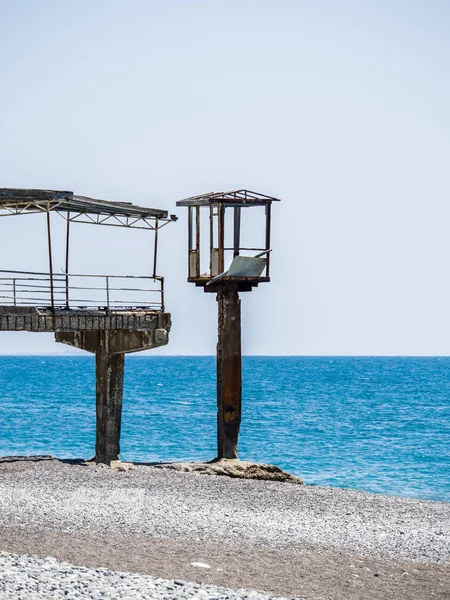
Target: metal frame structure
50, 289
218, 203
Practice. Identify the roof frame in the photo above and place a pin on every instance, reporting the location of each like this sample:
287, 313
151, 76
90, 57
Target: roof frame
233, 198
80, 208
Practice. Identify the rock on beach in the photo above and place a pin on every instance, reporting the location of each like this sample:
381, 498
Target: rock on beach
237, 469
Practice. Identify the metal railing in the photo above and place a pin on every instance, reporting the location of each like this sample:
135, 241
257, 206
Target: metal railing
76, 291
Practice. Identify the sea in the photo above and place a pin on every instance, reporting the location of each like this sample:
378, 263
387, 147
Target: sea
368, 423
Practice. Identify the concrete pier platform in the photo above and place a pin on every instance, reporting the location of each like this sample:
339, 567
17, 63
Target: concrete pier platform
109, 334
34, 319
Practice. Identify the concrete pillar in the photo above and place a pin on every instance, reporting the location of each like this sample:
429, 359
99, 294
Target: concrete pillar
109, 396
110, 347
229, 371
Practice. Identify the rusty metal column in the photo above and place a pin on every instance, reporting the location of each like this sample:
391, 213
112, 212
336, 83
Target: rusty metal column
109, 379
229, 371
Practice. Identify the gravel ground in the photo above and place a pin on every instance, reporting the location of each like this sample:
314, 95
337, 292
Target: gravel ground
283, 538
162, 503
30, 578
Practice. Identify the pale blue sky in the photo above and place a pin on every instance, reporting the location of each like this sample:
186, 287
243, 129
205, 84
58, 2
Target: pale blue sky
339, 108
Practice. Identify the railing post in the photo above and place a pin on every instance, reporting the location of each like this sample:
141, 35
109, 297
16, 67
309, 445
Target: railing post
162, 294
14, 292
107, 292
67, 259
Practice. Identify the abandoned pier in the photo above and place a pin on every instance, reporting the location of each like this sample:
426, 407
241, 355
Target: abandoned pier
112, 315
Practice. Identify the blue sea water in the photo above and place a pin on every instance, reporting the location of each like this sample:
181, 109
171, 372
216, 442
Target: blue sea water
370, 423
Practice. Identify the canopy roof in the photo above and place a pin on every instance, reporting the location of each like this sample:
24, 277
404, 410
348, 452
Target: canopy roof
233, 198
23, 201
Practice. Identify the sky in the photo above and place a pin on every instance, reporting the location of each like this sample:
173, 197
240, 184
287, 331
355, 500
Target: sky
341, 109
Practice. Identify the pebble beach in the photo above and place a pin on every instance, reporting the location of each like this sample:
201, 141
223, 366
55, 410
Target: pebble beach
31, 577
73, 530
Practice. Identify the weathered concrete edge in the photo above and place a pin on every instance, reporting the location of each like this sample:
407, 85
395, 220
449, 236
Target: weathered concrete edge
35, 320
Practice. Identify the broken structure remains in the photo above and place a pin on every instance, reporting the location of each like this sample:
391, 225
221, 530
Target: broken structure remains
219, 262
108, 315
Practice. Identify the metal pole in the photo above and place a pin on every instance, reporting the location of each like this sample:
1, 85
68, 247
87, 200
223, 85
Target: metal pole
197, 241
67, 259
237, 230
50, 259
14, 291
155, 251
211, 239
221, 236
268, 225
189, 239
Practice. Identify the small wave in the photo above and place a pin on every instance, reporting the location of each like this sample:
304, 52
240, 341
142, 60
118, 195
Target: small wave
180, 402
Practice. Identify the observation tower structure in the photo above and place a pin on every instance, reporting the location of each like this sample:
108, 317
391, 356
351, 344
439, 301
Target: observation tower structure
221, 263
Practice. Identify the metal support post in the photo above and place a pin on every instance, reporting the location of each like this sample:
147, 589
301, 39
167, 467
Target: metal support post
50, 258
67, 258
229, 371
155, 248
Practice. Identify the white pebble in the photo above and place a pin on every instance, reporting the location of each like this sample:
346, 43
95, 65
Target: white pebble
200, 565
